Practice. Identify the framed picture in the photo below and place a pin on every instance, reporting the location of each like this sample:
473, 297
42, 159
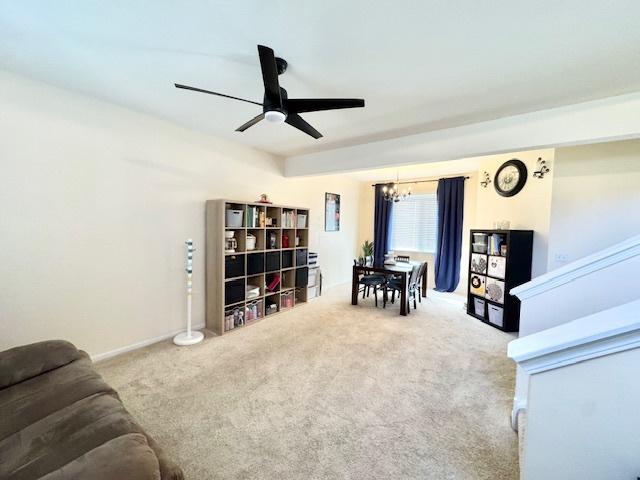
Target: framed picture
331, 212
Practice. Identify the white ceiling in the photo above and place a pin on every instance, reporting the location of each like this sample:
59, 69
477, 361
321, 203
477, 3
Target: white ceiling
419, 65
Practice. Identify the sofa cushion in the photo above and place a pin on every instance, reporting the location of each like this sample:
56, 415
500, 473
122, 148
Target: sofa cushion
33, 399
21, 363
63, 436
126, 457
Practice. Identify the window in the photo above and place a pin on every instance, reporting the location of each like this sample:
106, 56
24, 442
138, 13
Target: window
414, 222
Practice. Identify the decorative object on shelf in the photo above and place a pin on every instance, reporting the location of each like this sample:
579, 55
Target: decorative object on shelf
251, 242
393, 193
542, 170
272, 286
297, 241
264, 198
495, 290
273, 240
331, 212
501, 225
189, 337
285, 240
510, 178
477, 285
497, 266
230, 242
277, 107
487, 179
261, 219
478, 263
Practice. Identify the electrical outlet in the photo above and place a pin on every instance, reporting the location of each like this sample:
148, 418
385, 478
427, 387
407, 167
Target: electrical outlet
562, 257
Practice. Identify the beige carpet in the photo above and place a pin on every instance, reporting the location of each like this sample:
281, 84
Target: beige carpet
332, 391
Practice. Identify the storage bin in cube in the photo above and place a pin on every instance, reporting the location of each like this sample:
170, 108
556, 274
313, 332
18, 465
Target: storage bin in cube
478, 306
496, 316
234, 217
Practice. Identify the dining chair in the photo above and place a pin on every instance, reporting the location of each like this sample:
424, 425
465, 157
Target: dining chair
395, 285
421, 273
369, 280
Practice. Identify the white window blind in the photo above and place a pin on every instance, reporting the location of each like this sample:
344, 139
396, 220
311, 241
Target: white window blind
414, 222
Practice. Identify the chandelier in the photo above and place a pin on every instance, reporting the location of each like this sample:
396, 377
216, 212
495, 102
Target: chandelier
393, 193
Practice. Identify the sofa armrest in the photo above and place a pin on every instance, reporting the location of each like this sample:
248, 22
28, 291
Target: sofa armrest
22, 363
126, 457
169, 470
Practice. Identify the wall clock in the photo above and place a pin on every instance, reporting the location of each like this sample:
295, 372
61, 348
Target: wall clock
510, 178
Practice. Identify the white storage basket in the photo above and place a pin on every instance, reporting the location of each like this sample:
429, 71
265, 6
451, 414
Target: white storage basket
234, 218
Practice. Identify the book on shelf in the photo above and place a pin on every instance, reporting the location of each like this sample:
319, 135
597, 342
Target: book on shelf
252, 216
288, 219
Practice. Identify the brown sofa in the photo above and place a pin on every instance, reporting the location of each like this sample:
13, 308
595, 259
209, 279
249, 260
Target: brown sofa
59, 421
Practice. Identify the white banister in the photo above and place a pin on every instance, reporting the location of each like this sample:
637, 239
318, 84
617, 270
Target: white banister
584, 266
603, 333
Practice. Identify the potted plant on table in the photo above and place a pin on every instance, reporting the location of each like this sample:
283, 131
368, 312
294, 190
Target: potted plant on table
367, 251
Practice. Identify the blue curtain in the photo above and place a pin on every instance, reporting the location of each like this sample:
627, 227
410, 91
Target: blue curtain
449, 246
381, 226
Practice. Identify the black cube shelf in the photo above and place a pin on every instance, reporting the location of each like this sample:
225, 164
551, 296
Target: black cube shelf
499, 260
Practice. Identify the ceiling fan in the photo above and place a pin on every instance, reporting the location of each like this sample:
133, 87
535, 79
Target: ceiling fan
276, 106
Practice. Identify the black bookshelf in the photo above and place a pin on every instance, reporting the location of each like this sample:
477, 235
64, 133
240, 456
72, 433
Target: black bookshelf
503, 263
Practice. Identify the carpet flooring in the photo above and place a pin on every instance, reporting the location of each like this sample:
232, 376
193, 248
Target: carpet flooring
332, 391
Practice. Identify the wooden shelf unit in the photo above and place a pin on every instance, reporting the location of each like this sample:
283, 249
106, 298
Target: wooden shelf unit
503, 270
229, 273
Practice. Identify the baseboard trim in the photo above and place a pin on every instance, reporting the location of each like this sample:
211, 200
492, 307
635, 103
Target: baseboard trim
135, 346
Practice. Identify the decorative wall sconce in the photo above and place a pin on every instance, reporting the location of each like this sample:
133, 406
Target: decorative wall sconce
487, 180
542, 169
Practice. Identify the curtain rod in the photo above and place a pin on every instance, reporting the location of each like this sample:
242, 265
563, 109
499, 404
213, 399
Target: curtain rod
415, 181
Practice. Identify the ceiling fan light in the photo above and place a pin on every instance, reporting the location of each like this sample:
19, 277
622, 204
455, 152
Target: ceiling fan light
274, 116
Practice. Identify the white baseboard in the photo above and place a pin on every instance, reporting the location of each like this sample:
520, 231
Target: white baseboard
137, 345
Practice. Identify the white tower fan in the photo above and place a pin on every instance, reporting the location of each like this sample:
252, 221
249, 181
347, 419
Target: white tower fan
189, 337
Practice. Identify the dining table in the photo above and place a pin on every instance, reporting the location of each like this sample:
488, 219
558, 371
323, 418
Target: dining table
399, 269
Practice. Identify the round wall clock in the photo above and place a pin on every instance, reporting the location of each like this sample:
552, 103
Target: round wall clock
510, 178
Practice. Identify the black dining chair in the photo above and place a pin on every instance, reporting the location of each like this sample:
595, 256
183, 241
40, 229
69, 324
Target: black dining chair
421, 273
370, 280
395, 285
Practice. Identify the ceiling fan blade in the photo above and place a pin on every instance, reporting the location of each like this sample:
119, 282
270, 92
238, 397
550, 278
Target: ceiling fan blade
297, 121
270, 76
301, 105
186, 87
250, 123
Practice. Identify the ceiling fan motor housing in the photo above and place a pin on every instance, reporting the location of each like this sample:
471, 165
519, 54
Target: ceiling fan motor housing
269, 105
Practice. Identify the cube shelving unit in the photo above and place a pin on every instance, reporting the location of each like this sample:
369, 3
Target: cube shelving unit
499, 260
240, 285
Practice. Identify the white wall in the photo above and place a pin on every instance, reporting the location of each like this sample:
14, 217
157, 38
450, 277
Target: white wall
528, 210
583, 421
96, 202
596, 199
